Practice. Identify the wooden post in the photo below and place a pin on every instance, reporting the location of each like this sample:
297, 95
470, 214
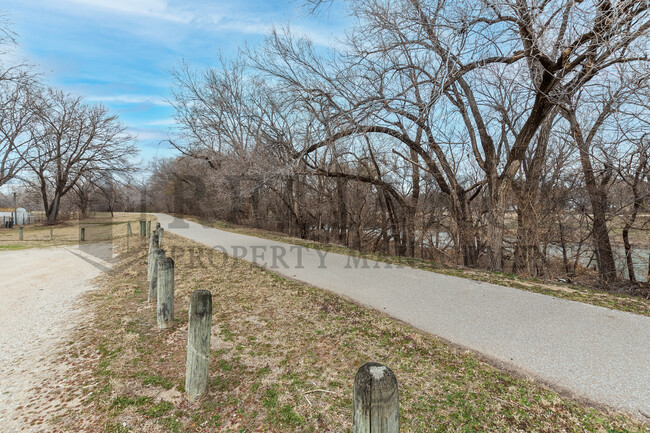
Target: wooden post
142, 227
376, 400
160, 231
128, 228
157, 226
165, 295
157, 256
82, 234
153, 244
148, 228
198, 344
20, 233
153, 241
51, 235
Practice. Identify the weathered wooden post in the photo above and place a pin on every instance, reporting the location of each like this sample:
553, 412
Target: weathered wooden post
165, 295
20, 233
128, 228
153, 244
148, 228
82, 234
376, 400
160, 231
142, 227
156, 257
51, 235
152, 241
198, 344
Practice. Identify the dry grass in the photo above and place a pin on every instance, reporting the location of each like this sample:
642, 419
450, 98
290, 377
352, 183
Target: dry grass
101, 227
283, 359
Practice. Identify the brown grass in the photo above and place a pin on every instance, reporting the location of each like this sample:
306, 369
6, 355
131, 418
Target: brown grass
101, 227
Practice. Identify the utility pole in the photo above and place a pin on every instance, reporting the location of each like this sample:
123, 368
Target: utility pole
15, 211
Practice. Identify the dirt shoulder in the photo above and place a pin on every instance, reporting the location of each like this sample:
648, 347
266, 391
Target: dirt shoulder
40, 294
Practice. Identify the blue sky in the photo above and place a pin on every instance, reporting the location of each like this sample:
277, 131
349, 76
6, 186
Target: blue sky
119, 52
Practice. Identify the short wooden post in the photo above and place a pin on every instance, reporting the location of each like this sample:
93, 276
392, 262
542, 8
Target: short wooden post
156, 257
142, 227
51, 235
198, 344
376, 400
128, 228
153, 244
165, 295
20, 233
148, 228
153, 241
160, 231
82, 234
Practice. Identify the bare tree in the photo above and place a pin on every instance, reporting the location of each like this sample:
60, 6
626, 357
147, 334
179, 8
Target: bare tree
73, 140
17, 91
475, 106
638, 169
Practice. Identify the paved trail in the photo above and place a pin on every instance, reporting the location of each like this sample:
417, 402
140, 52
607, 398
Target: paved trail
38, 293
595, 353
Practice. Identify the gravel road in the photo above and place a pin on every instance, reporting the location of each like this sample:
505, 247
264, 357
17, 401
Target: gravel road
593, 353
39, 306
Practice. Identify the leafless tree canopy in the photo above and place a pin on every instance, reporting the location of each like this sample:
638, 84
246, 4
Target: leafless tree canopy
56, 143
72, 142
486, 133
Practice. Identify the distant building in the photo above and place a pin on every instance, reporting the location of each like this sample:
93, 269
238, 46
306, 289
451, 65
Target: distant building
22, 216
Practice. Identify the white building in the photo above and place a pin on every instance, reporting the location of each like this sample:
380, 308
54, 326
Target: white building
22, 216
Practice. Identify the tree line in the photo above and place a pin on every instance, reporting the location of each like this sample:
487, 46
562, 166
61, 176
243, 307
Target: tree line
506, 135
62, 148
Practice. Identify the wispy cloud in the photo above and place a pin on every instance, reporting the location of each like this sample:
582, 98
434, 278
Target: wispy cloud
129, 99
159, 9
163, 122
119, 52
208, 17
151, 135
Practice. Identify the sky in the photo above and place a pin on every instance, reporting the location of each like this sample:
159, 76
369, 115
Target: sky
119, 52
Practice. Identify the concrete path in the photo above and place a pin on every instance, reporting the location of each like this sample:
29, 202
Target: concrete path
595, 353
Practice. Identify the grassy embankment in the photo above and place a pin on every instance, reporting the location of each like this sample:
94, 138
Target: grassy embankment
283, 359
589, 295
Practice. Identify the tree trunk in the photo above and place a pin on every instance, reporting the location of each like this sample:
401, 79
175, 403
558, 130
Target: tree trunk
598, 199
527, 253
565, 258
605, 255
394, 228
53, 208
342, 211
629, 223
628, 254
496, 220
412, 208
466, 239
409, 231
